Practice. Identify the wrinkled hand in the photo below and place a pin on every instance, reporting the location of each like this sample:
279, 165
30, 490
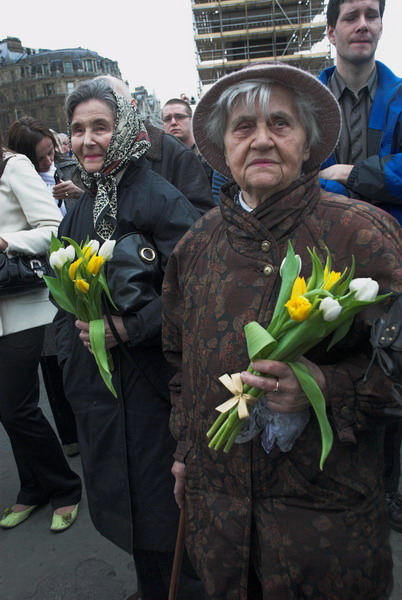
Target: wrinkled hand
110, 340
289, 397
179, 472
338, 173
66, 189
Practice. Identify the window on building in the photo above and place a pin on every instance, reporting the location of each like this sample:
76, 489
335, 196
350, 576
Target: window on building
49, 89
68, 67
70, 87
89, 66
22, 71
31, 92
45, 68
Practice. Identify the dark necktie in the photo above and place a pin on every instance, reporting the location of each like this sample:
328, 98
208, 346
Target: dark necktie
356, 150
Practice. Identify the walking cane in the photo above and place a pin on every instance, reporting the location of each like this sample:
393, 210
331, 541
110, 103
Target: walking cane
178, 555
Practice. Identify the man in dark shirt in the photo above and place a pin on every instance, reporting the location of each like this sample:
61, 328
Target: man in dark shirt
367, 162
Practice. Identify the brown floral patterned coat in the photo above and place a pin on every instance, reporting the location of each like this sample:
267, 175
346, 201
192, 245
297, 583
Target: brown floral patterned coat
320, 535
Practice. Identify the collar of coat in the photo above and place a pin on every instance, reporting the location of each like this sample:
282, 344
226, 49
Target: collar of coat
155, 135
277, 216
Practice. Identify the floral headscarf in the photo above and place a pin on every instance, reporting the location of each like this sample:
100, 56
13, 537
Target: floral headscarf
129, 139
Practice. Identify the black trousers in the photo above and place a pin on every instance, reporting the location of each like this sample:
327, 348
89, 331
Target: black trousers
154, 570
43, 470
60, 406
392, 453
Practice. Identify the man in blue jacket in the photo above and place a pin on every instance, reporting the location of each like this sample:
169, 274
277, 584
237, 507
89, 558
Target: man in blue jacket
367, 162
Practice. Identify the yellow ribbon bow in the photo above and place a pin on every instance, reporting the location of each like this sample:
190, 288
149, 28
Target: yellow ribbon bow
235, 385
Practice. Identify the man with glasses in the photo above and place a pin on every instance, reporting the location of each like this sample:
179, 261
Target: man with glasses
177, 119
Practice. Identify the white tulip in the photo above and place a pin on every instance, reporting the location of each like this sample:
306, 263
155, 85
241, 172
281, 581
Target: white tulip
106, 250
283, 264
94, 245
58, 258
70, 252
331, 309
366, 288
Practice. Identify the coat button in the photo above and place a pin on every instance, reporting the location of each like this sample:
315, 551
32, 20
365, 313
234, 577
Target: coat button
265, 246
268, 270
345, 413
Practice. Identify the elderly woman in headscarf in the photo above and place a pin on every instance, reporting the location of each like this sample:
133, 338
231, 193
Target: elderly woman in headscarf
125, 443
270, 524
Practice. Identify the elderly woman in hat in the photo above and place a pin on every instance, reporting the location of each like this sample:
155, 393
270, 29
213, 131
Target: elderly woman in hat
273, 525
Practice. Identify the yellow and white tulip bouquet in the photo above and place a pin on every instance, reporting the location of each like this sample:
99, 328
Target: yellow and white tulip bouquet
78, 287
305, 314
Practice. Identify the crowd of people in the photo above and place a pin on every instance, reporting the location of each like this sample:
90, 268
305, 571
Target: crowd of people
271, 155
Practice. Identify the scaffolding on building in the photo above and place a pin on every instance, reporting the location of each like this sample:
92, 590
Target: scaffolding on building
230, 34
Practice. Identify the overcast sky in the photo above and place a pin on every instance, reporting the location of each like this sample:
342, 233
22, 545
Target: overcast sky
151, 40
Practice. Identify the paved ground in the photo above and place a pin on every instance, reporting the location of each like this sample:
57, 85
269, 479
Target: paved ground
78, 564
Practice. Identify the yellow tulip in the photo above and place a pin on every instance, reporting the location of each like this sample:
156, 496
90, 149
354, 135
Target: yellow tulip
95, 264
72, 270
82, 285
299, 287
87, 250
330, 277
298, 308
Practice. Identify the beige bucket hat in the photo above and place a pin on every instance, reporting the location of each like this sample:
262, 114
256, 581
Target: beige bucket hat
328, 111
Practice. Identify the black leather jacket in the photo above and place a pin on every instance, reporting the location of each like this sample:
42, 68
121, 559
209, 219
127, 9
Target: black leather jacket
179, 165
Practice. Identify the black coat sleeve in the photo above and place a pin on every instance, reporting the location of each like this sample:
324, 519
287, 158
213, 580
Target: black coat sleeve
181, 167
177, 216
63, 344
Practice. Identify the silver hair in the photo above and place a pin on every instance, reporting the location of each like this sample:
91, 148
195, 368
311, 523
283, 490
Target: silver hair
258, 90
94, 89
118, 85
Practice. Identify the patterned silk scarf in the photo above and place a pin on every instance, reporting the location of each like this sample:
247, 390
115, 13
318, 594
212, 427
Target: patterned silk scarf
129, 139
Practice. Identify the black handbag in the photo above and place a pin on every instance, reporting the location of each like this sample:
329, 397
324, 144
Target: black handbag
21, 273
134, 274
386, 339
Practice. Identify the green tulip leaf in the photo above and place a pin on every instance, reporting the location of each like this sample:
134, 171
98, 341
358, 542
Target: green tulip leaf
58, 293
259, 342
103, 282
343, 287
74, 244
55, 244
317, 271
97, 339
317, 400
340, 333
289, 273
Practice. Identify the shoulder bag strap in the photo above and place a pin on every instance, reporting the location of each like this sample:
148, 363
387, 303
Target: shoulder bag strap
121, 344
3, 166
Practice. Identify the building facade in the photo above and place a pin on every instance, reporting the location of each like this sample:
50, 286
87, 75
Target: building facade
35, 82
148, 106
230, 34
